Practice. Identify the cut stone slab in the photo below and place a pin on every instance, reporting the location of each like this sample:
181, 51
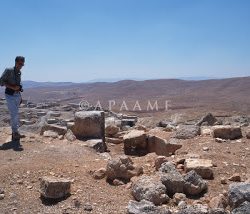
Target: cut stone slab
27, 122
60, 130
135, 142
128, 122
54, 188
203, 167
227, 132
41, 113
52, 120
89, 125
55, 114
161, 146
114, 140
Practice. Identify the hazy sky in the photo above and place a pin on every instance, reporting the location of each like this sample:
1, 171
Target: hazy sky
81, 40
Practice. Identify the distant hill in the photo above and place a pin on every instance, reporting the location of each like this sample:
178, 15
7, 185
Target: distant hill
230, 94
33, 84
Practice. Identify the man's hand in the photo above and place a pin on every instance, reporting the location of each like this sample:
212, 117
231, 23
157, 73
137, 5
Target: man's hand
13, 87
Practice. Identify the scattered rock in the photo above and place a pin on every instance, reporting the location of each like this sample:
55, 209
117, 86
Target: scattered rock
227, 132
117, 182
87, 207
178, 197
235, 177
161, 146
151, 189
194, 184
196, 209
2, 196
238, 193
218, 211
54, 188
122, 168
96, 144
135, 142
50, 134
202, 166
219, 140
70, 136
111, 130
89, 125
244, 208
159, 161
187, 131
145, 207
209, 119
223, 181
219, 201
100, 173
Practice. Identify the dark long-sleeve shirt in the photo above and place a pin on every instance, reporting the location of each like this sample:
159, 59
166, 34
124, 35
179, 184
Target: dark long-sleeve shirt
10, 76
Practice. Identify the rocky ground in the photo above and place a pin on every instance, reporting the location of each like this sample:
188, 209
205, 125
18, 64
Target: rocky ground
103, 180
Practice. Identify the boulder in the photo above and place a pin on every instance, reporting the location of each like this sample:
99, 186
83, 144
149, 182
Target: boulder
111, 130
194, 184
248, 135
135, 142
218, 211
145, 207
122, 168
244, 208
238, 193
202, 166
89, 125
161, 146
227, 132
187, 131
54, 188
150, 189
196, 209
159, 161
173, 182
209, 119
167, 167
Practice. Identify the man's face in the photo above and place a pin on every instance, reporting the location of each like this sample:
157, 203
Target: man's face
19, 65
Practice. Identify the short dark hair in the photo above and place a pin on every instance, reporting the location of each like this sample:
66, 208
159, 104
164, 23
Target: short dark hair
20, 58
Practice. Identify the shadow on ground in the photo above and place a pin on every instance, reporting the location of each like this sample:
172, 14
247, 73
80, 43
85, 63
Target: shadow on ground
14, 144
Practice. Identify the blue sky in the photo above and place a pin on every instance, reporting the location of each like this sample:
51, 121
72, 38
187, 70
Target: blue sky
81, 40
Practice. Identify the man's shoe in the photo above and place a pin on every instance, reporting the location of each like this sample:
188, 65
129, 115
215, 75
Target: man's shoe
17, 136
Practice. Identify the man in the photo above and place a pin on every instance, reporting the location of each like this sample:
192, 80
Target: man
11, 79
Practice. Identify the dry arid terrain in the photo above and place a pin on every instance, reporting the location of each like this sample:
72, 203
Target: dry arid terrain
193, 157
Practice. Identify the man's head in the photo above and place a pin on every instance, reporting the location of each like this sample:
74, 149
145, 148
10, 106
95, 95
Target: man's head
19, 62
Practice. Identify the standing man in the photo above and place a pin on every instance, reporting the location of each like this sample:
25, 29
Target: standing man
11, 79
